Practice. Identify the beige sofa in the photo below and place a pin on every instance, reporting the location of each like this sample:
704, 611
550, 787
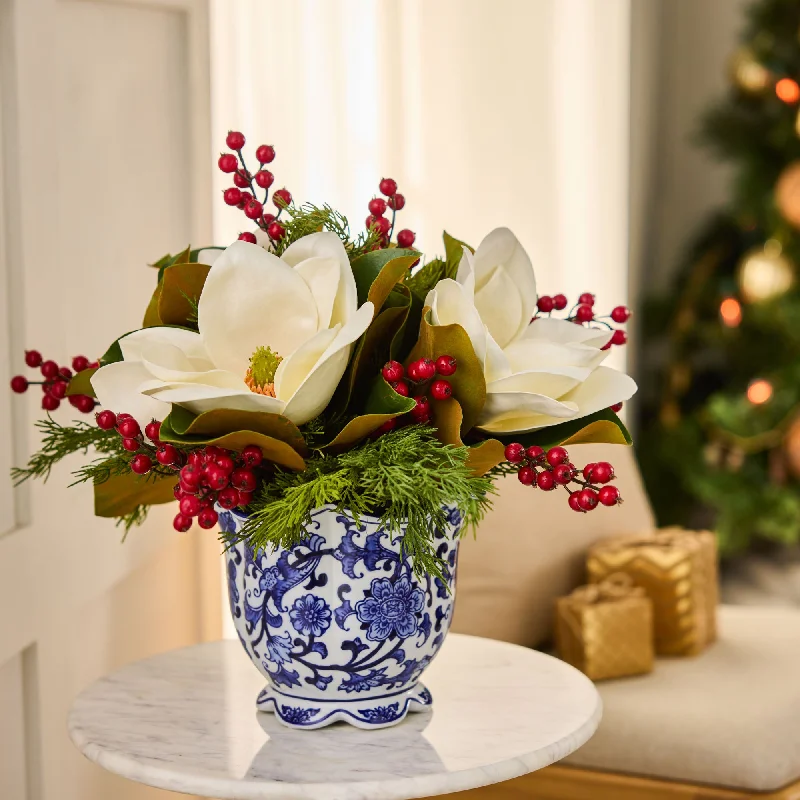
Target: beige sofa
720, 726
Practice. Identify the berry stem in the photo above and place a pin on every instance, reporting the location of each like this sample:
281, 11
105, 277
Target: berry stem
253, 189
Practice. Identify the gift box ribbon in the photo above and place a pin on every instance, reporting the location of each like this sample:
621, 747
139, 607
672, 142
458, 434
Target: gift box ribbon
617, 586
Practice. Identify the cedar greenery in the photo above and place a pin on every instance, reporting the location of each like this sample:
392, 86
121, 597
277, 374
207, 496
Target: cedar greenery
405, 478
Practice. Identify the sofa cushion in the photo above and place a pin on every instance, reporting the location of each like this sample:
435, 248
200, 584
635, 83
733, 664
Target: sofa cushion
531, 548
729, 716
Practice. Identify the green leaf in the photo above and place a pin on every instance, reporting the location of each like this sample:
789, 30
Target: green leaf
383, 399
114, 353
81, 383
120, 494
358, 429
453, 253
602, 427
422, 281
181, 286
378, 271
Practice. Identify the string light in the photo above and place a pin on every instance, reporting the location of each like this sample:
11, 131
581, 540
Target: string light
759, 392
731, 312
787, 90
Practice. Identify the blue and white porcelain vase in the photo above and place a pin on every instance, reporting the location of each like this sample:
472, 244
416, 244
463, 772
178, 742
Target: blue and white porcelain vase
339, 625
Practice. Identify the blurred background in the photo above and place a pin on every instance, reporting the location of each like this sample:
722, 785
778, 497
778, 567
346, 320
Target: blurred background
647, 151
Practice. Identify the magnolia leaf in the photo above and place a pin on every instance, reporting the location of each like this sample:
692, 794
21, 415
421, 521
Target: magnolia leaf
447, 417
181, 286
601, 432
358, 429
602, 427
120, 494
210, 425
114, 353
453, 253
469, 385
373, 349
484, 456
378, 271
151, 316
81, 383
383, 399
406, 337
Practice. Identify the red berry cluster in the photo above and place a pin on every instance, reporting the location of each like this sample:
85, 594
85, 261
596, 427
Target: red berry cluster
55, 383
548, 469
207, 475
377, 209
422, 373
244, 192
583, 312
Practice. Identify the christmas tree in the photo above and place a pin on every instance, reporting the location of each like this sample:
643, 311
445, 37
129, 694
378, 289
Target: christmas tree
720, 427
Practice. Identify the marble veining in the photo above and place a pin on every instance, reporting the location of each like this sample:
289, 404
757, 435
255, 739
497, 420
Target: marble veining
185, 721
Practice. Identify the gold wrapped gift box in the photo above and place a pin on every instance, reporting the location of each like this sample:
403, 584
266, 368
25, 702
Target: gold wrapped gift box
678, 570
606, 630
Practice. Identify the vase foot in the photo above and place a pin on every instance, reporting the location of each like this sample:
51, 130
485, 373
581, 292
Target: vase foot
369, 713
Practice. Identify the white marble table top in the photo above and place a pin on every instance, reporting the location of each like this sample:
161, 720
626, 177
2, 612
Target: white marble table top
186, 721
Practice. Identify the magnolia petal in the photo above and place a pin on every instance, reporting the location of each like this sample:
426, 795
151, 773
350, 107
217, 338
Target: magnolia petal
451, 305
328, 245
466, 272
563, 332
296, 368
117, 387
501, 308
502, 247
528, 354
503, 410
495, 363
187, 342
322, 276
602, 389
209, 255
198, 398
555, 383
251, 298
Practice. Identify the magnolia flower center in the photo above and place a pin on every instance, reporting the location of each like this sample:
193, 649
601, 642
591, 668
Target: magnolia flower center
260, 377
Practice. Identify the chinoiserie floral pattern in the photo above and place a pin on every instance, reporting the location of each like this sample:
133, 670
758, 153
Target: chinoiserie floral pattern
340, 625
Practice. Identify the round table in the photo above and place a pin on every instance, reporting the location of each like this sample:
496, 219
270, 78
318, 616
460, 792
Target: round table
186, 721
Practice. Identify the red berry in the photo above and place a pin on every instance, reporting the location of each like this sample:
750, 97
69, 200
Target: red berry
253, 209
80, 363
396, 201
441, 389
401, 387
514, 453
131, 445
388, 186
182, 523
106, 420
609, 495
527, 476
563, 474
50, 403
246, 198
128, 427
545, 304
241, 179
94, 365
620, 314
377, 206
446, 366
235, 140
392, 371
559, 302
422, 409
228, 162
387, 426
19, 384
545, 481
281, 198
246, 236
141, 464
584, 313
602, 472
405, 238
190, 505
33, 358
265, 154
422, 370
275, 231
228, 498
167, 455
243, 479
58, 389
616, 408
49, 370
556, 456
587, 499
534, 452
83, 403
217, 477
267, 220
65, 373
191, 475
619, 337
245, 498
252, 455
380, 224
574, 502
207, 518
232, 196
264, 178
152, 429
226, 464
586, 299
74, 399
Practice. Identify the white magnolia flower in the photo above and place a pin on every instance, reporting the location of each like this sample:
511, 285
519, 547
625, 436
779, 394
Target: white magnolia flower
536, 374
275, 336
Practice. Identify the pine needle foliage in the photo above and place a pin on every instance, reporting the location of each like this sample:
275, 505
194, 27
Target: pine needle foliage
405, 478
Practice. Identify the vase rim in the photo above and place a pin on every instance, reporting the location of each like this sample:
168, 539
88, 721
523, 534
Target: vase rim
329, 507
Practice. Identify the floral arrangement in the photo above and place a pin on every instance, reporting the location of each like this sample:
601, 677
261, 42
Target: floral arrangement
303, 366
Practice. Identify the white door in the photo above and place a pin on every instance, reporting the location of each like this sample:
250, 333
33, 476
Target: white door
105, 165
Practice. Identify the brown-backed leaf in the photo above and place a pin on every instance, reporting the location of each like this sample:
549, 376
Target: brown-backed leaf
356, 430
469, 385
394, 271
601, 427
375, 345
81, 383
484, 456
378, 271
181, 286
151, 317
599, 432
120, 494
273, 449
447, 417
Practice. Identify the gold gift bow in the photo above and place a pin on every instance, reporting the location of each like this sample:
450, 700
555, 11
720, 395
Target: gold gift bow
617, 586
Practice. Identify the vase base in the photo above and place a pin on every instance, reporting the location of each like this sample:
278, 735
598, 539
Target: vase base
369, 713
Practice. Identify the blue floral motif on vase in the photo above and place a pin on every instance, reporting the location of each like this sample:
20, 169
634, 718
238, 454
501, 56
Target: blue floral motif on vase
339, 625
